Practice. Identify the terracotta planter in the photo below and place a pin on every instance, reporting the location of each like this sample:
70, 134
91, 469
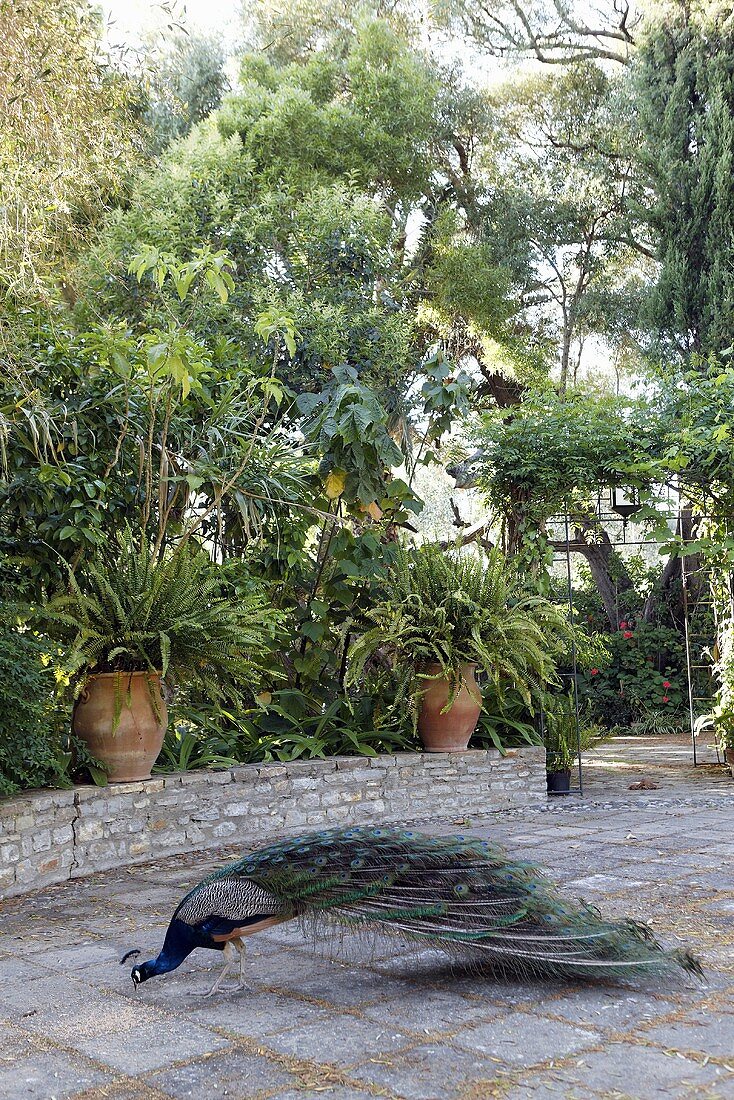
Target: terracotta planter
729, 757
131, 750
449, 732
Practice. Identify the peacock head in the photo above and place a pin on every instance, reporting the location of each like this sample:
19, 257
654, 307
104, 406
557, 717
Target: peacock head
140, 974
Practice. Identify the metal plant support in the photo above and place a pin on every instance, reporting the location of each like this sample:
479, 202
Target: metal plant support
701, 688
698, 642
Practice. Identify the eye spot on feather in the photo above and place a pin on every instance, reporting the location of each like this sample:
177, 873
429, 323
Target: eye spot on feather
321, 861
356, 864
461, 890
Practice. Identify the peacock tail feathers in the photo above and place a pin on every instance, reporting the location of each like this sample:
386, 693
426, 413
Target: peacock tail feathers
458, 893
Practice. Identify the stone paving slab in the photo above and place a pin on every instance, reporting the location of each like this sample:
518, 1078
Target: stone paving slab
355, 1020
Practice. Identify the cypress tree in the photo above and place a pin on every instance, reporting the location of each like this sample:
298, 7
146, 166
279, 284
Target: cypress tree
685, 78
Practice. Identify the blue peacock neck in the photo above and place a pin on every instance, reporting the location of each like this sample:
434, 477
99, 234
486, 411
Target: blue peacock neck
180, 941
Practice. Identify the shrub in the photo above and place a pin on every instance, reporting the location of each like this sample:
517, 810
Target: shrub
32, 752
644, 674
135, 610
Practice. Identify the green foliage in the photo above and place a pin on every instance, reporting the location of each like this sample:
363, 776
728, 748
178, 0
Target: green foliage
555, 453
653, 724
294, 725
310, 177
685, 103
132, 610
289, 724
553, 448
32, 751
567, 146
643, 674
183, 85
69, 140
506, 721
296, 30
447, 609
286, 724
446, 394
215, 267
698, 437
349, 426
697, 409
157, 429
561, 736
186, 749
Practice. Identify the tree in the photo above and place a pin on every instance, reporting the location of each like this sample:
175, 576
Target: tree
297, 30
68, 139
342, 187
184, 85
684, 81
568, 151
553, 32
344, 190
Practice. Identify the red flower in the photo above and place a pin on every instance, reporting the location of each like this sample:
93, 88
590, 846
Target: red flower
595, 672
666, 683
666, 698
623, 625
627, 634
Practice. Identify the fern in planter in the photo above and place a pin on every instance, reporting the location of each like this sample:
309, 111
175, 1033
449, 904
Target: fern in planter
132, 611
561, 740
448, 609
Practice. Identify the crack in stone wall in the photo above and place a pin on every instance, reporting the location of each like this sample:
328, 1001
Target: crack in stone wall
74, 838
52, 836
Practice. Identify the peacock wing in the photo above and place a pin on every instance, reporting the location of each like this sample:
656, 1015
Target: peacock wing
461, 894
223, 902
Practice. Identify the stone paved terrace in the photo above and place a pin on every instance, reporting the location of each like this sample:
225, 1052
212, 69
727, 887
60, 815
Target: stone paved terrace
379, 1022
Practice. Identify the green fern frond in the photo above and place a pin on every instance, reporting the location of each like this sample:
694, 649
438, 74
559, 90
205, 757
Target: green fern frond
130, 610
447, 609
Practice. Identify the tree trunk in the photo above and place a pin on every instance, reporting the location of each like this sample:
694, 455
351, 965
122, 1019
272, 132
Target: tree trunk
672, 572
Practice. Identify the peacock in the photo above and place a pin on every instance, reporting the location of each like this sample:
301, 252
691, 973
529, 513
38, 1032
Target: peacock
457, 893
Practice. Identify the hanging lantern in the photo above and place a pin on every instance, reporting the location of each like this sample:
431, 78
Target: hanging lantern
625, 502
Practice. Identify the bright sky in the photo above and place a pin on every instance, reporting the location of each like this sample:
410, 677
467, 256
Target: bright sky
130, 18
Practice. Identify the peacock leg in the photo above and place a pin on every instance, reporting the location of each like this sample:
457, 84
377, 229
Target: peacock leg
240, 946
230, 957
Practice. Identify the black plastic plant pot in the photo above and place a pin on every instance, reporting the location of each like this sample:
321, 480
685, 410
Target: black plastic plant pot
559, 782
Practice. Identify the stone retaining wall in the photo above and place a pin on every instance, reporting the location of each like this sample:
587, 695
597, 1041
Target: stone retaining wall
52, 836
